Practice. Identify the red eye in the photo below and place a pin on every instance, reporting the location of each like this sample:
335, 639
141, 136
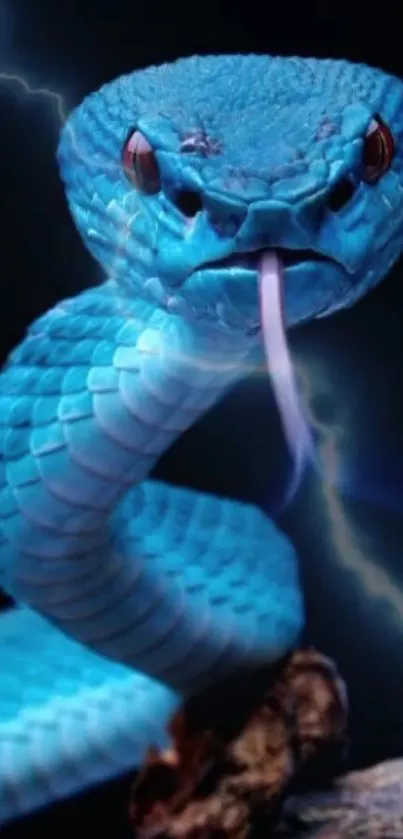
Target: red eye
379, 150
140, 163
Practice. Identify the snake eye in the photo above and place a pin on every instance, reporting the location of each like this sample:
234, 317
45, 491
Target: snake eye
140, 163
379, 149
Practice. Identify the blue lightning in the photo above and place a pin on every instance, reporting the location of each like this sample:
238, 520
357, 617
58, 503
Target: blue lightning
353, 555
375, 581
19, 82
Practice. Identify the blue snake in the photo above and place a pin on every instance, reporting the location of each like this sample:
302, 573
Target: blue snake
226, 198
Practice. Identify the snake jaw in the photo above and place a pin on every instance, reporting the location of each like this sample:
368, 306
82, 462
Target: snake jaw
225, 291
249, 260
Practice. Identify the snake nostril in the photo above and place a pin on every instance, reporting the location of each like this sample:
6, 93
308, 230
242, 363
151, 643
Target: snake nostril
226, 224
189, 202
341, 194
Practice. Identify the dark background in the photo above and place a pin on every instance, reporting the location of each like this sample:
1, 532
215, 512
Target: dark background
353, 360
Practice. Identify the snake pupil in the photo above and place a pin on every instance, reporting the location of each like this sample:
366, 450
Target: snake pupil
140, 163
379, 150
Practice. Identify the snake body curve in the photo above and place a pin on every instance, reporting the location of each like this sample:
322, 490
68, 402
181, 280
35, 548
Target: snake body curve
132, 593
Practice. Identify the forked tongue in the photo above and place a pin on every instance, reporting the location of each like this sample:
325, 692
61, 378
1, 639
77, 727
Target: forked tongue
280, 368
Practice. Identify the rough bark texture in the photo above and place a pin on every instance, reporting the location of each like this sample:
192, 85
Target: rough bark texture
246, 768
363, 805
234, 758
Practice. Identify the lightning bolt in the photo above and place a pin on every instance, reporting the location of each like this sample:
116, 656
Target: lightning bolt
21, 83
376, 581
353, 555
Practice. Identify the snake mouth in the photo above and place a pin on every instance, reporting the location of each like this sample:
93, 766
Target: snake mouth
290, 257
250, 260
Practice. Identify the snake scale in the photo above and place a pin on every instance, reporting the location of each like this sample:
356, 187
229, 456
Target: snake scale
201, 187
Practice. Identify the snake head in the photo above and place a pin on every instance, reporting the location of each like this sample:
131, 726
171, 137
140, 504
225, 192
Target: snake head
180, 176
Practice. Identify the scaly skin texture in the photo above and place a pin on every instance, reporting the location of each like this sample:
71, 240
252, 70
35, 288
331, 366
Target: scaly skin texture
146, 578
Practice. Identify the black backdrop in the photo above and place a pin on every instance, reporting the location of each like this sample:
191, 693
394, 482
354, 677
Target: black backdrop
354, 359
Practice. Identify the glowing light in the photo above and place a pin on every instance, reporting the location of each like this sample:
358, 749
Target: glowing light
376, 581
15, 80
353, 555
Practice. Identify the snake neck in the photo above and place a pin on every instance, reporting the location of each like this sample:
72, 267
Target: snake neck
99, 389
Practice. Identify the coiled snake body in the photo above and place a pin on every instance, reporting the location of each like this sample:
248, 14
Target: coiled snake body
192, 183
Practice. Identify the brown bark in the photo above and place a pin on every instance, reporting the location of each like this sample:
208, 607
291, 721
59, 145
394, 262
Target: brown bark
224, 776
